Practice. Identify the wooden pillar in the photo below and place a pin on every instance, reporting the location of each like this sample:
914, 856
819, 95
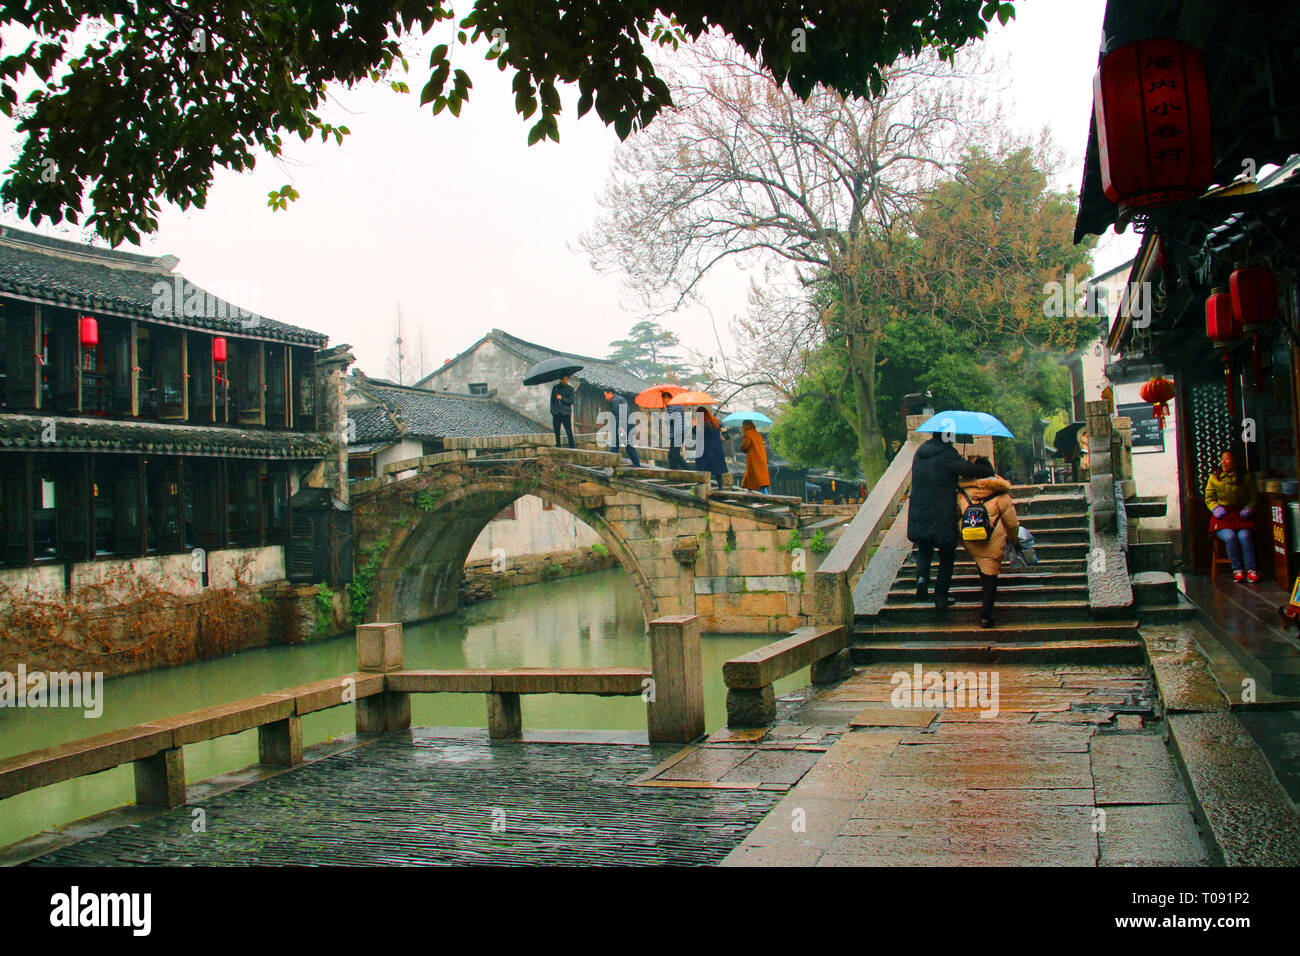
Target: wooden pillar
379, 650
676, 704
280, 743
133, 359
160, 779
505, 716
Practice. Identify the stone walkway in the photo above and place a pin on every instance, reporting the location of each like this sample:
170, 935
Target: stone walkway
429, 799
1070, 772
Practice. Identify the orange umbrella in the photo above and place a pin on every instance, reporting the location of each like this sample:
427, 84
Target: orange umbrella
652, 396
693, 398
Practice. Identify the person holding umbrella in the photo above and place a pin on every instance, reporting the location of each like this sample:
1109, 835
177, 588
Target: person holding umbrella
756, 476
557, 370
931, 523
621, 437
712, 457
676, 433
562, 398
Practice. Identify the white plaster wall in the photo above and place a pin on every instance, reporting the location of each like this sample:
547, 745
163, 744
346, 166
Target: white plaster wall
44, 581
533, 531
503, 371
1156, 473
403, 450
174, 573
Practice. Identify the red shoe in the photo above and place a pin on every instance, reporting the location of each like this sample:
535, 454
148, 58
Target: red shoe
1238, 576
1252, 577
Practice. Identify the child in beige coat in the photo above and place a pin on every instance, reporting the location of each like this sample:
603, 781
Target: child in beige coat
992, 493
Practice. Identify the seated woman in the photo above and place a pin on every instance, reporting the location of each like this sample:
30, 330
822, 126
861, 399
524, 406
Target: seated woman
1230, 496
1002, 521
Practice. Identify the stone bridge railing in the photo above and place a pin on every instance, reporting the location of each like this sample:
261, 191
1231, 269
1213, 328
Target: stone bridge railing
834, 580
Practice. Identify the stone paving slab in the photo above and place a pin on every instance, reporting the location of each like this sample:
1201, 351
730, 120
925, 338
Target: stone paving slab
1021, 789
422, 800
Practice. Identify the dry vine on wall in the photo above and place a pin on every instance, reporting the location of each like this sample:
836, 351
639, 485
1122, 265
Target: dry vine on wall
124, 624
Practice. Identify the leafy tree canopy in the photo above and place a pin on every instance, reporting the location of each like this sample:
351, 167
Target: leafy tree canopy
648, 351
170, 91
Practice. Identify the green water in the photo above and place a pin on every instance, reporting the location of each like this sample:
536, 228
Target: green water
589, 621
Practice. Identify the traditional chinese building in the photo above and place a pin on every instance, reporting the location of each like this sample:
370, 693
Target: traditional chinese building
498, 362
1197, 153
149, 427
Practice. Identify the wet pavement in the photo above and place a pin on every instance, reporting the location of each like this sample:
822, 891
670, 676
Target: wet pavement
424, 799
1072, 771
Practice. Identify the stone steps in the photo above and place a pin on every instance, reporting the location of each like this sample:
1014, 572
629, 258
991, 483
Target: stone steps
968, 591
1086, 650
1037, 612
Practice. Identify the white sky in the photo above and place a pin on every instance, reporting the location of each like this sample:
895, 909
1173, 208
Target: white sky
468, 228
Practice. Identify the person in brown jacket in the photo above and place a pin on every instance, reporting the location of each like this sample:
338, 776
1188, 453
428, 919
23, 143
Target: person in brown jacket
756, 477
1002, 520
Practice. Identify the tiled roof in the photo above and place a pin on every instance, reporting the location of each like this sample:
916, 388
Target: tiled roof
94, 278
97, 434
598, 372
425, 414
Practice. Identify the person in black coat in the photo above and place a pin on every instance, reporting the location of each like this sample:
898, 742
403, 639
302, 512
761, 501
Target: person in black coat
621, 433
562, 409
931, 518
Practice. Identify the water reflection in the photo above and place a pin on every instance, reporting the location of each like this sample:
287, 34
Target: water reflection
590, 621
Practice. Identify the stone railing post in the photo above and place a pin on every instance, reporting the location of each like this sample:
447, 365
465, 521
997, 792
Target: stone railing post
676, 704
379, 650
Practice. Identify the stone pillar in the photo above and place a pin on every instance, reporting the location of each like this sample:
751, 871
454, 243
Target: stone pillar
676, 714
331, 419
686, 550
280, 743
379, 650
160, 779
750, 708
505, 716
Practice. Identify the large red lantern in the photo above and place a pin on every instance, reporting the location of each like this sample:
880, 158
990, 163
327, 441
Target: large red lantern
218, 349
1254, 305
1222, 327
89, 332
1158, 392
1152, 111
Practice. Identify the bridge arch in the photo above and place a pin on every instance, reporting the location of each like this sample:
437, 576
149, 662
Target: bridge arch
420, 573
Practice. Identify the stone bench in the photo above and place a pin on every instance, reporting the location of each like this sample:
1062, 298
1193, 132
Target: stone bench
504, 687
751, 701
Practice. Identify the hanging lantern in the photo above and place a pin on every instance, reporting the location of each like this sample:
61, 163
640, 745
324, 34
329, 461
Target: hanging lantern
1222, 327
89, 332
1254, 306
1152, 112
1158, 393
218, 349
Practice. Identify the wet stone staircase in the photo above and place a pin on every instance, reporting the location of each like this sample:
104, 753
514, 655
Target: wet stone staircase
1042, 614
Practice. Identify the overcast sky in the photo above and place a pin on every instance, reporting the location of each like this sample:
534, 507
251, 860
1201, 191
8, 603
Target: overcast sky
469, 229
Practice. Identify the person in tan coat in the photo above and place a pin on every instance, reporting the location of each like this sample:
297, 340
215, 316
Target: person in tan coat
1003, 521
756, 476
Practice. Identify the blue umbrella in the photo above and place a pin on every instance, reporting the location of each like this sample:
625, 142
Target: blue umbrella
966, 423
758, 418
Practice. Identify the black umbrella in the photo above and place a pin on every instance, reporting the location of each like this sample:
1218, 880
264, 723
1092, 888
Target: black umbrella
551, 370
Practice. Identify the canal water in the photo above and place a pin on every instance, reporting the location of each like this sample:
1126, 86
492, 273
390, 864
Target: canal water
590, 621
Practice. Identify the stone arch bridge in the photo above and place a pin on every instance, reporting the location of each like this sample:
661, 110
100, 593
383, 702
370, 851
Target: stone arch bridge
742, 561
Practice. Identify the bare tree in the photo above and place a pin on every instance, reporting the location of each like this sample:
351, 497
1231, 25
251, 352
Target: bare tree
822, 189
396, 367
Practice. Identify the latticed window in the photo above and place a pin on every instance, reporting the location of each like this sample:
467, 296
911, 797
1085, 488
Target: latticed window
1212, 431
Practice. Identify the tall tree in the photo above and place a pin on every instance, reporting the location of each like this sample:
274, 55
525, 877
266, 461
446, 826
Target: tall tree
649, 351
745, 168
398, 367
195, 86
970, 323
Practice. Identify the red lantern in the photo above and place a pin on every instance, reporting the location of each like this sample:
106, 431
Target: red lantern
1152, 112
1158, 392
1222, 327
1254, 305
218, 349
89, 332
